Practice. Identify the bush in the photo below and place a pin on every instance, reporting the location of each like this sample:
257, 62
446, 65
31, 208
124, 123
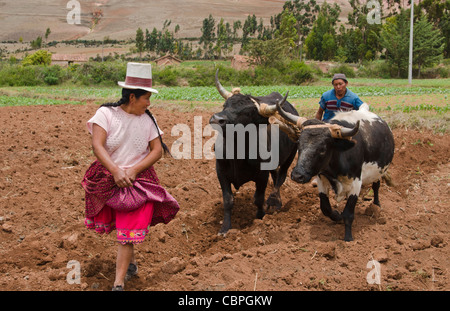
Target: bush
345, 69
203, 75
52, 75
375, 69
16, 75
109, 73
297, 73
104, 73
266, 76
168, 76
444, 72
41, 57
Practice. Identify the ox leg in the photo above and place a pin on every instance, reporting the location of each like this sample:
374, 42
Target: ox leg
325, 206
228, 199
279, 177
261, 185
376, 188
274, 198
348, 215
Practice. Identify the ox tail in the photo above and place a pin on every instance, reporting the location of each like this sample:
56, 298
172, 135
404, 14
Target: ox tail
388, 179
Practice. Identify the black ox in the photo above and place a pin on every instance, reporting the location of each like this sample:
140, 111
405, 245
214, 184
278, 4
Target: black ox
238, 169
355, 148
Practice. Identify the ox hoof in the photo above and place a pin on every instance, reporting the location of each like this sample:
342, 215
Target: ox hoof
336, 216
223, 231
260, 214
272, 204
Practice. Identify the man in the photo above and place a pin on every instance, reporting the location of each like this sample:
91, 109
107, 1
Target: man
338, 99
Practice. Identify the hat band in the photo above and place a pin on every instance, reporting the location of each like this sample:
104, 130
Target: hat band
142, 82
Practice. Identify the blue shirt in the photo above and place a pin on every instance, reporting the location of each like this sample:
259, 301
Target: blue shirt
330, 104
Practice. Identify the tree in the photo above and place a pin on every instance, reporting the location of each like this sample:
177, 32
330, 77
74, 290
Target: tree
368, 34
268, 53
237, 25
224, 40
47, 33
321, 41
140, 41
36, 44
305, 14
287, 29
352, 46
428, 44
438, 13
208, 31
41, 57
184, 51
151, 40
328, 46
248, 30
394, 37
166, 42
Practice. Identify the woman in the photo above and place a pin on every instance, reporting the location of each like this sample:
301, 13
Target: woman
122, 188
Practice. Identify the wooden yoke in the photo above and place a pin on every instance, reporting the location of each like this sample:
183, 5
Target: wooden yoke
335, 130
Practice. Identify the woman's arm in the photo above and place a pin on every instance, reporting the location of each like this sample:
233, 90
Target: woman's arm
98, 145
154, 155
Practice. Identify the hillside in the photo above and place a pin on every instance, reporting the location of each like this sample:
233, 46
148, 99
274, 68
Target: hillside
120, 19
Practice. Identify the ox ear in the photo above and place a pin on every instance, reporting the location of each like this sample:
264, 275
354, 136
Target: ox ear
343, 144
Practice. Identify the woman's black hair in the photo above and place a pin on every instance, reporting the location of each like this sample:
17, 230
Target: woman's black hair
126, 98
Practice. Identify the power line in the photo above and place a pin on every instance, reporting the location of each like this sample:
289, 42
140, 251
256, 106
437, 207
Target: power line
411, 35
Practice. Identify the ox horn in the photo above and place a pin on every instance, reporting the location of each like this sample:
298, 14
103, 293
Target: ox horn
346, 132
264, 109
225, 94
298, 121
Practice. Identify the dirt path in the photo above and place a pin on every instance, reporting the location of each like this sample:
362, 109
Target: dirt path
46, 150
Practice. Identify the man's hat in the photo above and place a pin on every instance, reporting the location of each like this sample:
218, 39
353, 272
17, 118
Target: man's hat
139, 76
339, 76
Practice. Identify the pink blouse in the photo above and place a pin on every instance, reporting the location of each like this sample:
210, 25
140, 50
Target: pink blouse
128, 135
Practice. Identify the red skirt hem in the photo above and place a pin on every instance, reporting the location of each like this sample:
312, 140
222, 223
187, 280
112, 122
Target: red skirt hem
131, 227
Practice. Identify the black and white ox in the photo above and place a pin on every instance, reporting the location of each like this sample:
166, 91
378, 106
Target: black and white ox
353, 149
243, 164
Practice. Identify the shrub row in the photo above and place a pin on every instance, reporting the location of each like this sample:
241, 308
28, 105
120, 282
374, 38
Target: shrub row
108, 73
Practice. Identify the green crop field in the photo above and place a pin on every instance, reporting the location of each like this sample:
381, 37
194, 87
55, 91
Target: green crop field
424, 104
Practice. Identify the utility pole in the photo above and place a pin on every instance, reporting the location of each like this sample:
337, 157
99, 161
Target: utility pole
411, 32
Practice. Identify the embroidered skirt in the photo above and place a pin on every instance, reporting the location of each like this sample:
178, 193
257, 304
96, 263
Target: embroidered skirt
130, 210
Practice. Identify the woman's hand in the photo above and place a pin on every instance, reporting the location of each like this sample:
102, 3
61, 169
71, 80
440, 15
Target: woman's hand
154, 155
131, 174
122, 179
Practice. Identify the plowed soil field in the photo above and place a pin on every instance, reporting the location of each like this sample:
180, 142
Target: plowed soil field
45, 151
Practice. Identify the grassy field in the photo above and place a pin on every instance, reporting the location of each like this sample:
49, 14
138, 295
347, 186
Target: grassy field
422, 105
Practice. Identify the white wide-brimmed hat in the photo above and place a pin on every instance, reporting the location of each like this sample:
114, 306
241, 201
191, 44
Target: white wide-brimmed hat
139, 76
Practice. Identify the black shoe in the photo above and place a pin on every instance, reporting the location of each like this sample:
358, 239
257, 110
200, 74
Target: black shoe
118, 288
131, 271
